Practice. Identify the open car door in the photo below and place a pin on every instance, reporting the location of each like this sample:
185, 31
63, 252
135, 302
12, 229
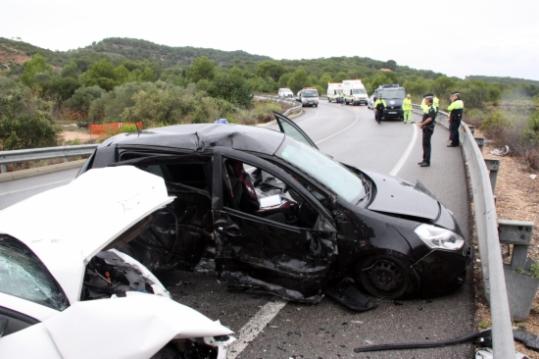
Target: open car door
289, 128
271, 234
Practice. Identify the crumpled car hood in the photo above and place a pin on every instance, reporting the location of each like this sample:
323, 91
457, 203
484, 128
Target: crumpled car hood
68, 225
399, 197
135, 326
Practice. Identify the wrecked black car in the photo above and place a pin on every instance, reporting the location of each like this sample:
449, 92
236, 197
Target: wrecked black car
279, 216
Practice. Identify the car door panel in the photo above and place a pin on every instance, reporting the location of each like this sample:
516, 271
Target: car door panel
255, 252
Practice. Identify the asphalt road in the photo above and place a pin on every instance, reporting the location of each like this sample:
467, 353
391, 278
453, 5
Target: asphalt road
15, 191
288, 330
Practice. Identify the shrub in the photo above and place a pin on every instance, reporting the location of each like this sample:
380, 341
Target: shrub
25, 120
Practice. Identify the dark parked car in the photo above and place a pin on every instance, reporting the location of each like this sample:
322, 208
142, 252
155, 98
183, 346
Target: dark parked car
393, 94
280, 216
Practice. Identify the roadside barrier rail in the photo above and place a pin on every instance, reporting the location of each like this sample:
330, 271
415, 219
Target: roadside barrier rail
34, 154
486, 229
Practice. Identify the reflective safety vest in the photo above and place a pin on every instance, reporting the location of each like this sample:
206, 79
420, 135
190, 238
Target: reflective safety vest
455, 109
424, 106
378, 102
436, 102
407, 104
455, 105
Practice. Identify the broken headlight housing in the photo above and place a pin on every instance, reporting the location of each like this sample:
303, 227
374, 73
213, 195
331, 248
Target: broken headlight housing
439, 238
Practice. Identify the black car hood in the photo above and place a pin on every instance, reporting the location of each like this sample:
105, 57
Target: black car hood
396, 196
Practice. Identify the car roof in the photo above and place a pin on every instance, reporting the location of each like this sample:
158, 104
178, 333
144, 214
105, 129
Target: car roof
66, 226
201, 136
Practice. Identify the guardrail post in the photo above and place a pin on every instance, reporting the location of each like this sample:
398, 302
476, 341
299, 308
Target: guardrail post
519, 234
472, 129
521, 277
493, 166
480, 142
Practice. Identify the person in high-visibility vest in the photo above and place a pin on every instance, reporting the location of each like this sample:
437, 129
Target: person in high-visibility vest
427, 127
379, 106
435, 103
424, 106
456, 110
407, 109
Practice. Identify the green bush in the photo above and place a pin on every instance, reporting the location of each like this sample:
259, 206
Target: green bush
495, 125
25, 120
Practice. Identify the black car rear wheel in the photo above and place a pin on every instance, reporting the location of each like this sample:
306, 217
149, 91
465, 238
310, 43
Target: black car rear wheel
385, 276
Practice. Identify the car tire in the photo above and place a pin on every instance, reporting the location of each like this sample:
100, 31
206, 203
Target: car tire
386, 275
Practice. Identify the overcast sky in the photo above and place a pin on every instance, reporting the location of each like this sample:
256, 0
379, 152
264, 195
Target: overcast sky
459, 37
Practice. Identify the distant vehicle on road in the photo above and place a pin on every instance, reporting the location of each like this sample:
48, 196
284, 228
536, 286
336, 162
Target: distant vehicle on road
285, 92
309, 97
334, 92
354, 92
393, 94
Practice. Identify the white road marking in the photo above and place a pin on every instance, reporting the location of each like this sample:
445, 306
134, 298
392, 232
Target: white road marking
26, 189
398, 166
254, 326
356, 120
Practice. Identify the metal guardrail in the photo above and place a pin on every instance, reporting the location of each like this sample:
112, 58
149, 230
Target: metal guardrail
486, 226
44, 153
294, 110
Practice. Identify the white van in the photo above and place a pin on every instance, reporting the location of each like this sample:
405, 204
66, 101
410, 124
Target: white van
334, 92
309, 97
285, 92
354, 92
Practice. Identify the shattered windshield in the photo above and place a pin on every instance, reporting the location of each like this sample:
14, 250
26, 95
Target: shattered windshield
328, 172
24, 276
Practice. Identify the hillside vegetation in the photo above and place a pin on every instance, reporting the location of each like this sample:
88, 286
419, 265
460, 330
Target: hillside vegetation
120, 79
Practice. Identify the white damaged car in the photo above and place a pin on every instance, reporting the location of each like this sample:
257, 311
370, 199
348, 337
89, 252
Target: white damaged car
66, 293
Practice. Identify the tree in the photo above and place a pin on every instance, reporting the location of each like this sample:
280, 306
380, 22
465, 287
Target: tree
391, 64
82, 99
270, 68
36, 73
298, 79
442, 85
201, 68
232, 86
103, 74
25, 120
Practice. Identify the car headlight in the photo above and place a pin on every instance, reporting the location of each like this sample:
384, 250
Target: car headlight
439, 238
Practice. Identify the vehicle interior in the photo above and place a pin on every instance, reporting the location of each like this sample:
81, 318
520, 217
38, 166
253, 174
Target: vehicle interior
252, 190
178, 234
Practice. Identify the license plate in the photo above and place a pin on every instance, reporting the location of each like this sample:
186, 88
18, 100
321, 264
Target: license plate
392, 113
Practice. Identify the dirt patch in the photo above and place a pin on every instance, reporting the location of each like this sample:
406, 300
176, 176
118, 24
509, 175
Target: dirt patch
12, 56
517, 198
74, 137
